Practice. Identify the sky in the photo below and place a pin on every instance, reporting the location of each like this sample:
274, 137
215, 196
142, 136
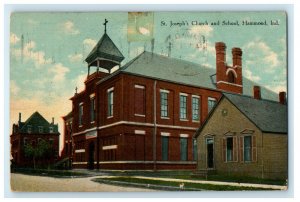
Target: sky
47, 50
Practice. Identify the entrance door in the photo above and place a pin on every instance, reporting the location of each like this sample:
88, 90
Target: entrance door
91, 156
210, 152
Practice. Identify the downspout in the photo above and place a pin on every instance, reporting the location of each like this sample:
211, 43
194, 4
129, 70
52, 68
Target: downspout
97, 126
155, 126
262, 156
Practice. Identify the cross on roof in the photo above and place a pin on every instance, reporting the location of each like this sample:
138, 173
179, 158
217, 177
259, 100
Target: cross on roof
105, 22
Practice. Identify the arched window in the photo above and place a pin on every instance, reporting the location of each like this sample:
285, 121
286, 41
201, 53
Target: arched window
231, 78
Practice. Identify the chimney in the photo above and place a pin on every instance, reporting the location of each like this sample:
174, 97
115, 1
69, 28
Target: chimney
220, 60
256, 92
20, 115
236, 57
52, 120
282, 97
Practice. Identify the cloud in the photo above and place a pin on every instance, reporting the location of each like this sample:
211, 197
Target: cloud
14, 88
277, 87
89, 42
14, 38
69, 28
75, 58
248, 74
32, 22
29, 54
59, 72
262, 54
79, 82
205, 30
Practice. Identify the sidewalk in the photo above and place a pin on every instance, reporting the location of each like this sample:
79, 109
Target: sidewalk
266, 186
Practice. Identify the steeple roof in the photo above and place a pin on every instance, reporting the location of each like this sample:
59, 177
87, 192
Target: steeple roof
106, 52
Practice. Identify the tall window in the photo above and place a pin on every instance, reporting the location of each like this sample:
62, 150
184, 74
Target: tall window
196, 108
183, 149
247, 148
80, 114
194, 149
93, 109
229, 149
163, 103
29, 128
110, 103
139, 100
211, 103
165, 147
183, 110
50, 129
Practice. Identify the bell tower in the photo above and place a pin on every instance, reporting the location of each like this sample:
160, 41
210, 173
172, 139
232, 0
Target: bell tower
105, 54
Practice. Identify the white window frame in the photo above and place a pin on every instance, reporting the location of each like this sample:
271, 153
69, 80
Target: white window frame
244, 148
93, 106
167, 111
80, 121
186, 106
199, 108
110, 102
210, 99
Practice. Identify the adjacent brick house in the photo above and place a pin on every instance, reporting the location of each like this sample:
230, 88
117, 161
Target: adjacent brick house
245, 136
34, 129
144, 115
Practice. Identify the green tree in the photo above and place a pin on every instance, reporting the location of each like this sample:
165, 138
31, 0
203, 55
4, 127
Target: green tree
42, 149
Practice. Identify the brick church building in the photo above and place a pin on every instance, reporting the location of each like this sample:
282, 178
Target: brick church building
144, 114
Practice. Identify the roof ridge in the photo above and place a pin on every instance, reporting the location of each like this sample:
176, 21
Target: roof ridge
251, 97
132, 61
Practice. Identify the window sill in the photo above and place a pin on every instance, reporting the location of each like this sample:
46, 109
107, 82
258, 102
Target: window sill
140, 115
196, 121
164, 117
92, 122
109, 117
184, 120
80, 126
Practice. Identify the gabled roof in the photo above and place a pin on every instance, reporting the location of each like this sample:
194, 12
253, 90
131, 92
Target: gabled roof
268, 116
160, 67
36, 120
106, 49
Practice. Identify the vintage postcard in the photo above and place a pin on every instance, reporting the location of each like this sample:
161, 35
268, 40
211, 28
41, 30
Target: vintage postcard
148, 101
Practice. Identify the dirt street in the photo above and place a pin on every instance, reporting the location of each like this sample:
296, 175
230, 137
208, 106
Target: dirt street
27, 183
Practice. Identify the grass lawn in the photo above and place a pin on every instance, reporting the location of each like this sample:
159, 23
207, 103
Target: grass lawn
188, 176
167, 185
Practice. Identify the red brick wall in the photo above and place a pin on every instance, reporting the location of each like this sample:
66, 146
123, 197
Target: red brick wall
21, 160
